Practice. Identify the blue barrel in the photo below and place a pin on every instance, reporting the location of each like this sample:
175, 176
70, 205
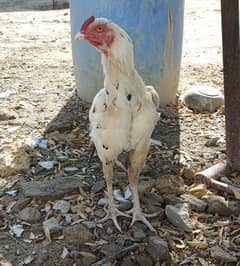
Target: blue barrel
156, 28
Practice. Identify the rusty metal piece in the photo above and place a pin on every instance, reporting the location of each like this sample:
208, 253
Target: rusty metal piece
231, 63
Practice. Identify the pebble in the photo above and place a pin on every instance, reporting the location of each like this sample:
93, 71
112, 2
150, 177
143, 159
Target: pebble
169, 184
124, 206
196, 204
77, 234
30, 215
158, 248
144, 186
70, 169
62, 205
143, 260
7, 115
90, 224
98, 186
213, 142
152, 199
178, 215
52, 226
220, 254
203, 98
138, 233
127, 261
217, 204
20, 204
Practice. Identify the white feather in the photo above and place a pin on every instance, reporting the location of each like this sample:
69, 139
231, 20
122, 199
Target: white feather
124, 113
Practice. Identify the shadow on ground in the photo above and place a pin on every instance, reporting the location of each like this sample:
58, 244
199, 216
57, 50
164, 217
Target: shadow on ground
163, 158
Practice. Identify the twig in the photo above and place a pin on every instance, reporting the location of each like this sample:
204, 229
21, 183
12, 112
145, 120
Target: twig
118, 254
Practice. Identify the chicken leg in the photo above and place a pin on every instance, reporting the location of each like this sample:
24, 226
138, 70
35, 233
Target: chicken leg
112, 211
136, 162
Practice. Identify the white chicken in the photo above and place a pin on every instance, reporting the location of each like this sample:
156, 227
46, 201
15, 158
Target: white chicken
123, 114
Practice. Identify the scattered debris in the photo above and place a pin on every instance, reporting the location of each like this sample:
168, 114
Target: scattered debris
47, 164
52, 188
179, 216
158, 249
30, 215
62, 205
17, 229
77, 233
221, 255
52, 228
196, 204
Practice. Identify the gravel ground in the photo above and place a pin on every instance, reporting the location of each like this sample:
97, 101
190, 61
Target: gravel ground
37, 96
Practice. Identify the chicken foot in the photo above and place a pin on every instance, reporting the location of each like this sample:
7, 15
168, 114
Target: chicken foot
112, 211
136, 162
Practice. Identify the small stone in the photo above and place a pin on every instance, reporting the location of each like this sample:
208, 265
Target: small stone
138, 233
100, 213
28, 259
90, 224
237, 240
234, 206
110, 249
124, 206
71, 169
152, 199
217, 204
158, 249
20, 204
7, 115
109, 231
30, 215
213, 142
143, 260
170, 199
169, 184
220, 254
78, 234
52, 225
196, 204
203, 98
144, 186
89, 260
62, 205
127, 261
4, 236
98, 186
178, 215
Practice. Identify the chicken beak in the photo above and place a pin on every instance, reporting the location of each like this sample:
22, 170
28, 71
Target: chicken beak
79, 36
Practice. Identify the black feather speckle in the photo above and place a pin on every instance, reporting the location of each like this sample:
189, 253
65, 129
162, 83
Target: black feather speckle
105, 147
129, 97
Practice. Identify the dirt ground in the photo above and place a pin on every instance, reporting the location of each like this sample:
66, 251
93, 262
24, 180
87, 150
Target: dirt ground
37, 96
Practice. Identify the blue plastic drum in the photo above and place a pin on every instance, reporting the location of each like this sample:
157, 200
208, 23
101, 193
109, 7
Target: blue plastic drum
156, 28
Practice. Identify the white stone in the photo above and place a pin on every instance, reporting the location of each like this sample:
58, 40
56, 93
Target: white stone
203, 98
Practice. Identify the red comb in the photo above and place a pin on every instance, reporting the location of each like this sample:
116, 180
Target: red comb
86, 23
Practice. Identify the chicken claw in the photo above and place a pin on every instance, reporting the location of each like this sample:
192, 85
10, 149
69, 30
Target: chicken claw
138, 215
112, 214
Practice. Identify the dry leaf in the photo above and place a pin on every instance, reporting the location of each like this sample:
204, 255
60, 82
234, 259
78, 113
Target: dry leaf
87, 254
202, 261
198, 244
64, 253
79, 210
47, 233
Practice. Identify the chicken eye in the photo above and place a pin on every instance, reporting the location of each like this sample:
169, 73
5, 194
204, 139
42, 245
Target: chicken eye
99, 28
